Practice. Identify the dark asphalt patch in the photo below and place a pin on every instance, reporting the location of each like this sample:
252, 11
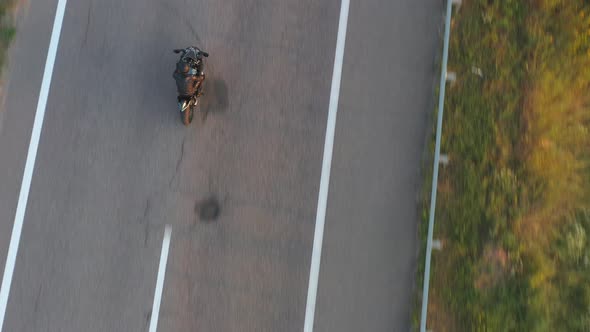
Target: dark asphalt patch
208, 209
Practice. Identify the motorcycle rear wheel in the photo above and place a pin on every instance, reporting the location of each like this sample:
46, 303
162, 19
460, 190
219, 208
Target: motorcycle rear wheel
187, 116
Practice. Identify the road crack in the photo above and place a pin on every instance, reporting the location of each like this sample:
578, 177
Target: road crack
144, 220
178, 163
37, 299
87, 24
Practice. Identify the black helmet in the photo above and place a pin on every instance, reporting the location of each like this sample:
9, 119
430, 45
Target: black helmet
193, 53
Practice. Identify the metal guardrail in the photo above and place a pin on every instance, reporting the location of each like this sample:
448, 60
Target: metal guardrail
441, 98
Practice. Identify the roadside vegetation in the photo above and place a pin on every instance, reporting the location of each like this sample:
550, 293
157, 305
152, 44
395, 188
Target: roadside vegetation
513, 209
7, 29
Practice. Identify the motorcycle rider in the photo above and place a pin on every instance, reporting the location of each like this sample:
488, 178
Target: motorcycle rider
189, 74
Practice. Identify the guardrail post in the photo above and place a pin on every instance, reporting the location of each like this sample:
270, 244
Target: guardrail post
451, 76
437, 244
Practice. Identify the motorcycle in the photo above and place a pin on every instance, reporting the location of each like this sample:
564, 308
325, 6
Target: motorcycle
193, 56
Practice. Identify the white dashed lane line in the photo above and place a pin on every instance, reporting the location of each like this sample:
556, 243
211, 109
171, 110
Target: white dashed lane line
160, 280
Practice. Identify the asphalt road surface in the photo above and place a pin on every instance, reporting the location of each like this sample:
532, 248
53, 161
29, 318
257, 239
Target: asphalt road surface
115, 165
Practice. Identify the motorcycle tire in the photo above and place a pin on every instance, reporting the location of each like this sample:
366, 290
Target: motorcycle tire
187, 116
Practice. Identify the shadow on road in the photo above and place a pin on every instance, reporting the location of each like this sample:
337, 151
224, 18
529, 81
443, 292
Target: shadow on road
216, 97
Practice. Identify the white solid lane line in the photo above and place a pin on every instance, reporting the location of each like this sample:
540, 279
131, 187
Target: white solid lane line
320, 220
160, 280
30, 163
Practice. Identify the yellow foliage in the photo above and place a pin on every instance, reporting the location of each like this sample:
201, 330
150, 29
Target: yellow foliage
556, 117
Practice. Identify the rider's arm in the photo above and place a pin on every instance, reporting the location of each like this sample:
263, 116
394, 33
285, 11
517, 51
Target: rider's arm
196, 80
